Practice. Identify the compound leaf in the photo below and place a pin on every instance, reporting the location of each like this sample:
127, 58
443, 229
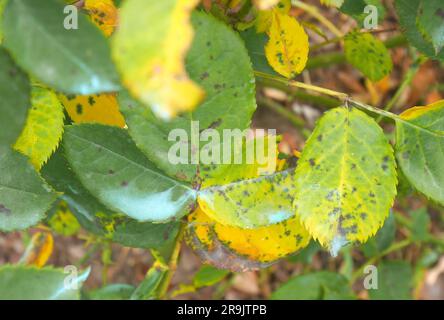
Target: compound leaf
150, 48
44, 127
368, 54
24, 195
420, 148
72, 61
113, 169
287, 48
345, 179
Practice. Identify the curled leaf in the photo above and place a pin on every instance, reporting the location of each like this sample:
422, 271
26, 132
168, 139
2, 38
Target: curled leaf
39, 249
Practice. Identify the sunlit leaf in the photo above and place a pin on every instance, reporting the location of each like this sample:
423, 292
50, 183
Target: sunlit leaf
368, 54
113, 169
44, 127
265, 4
24, 196
345, 179
287, 48
420, 148
39, 249
149, 49
265, 17
101, 108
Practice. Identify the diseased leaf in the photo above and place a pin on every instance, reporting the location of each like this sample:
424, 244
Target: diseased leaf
408, 13
101, 108
72, 61
24, 195
287, 49
229, 104
250, 203
430, 21
319, 285
14, 101
150, 48
63, 221
345, 179
97, 219
368, 54
44, 127
30, 283
103, 13
111, 167
265, 17
395, 280
420, 148
265, 244
38, 250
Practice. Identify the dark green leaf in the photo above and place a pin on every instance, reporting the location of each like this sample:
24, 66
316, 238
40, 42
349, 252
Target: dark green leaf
394, 281
208, 276
382, 240
420, 224
14, 101
115, 291
356, 9
24, 195
431, 22
149, 287
72, 61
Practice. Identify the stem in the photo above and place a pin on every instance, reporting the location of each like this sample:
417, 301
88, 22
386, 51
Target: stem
314, 12
172, 264
394, 247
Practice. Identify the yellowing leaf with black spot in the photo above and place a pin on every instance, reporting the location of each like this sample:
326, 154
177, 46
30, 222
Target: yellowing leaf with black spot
250, 203
265, 17
420, 148
103, 109
63, 221
103, 13
39, 249
287, 49
368, 54
345, 179
265, 244
150, 48
44, 127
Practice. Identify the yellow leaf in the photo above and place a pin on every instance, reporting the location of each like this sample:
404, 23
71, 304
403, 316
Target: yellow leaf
265, 17
44, 127
101, 108
63, 220
103, 13
287, 48
415, 112
265, 4
39, 249
150, 48
265, 244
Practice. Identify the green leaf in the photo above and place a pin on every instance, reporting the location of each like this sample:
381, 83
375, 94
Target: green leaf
24, 195
148, 288
420, 148
113, 169
230, 96
382, 240
431, 22
345, 179
72, 61
2, 9
208, 276
96, 218
356, 9
420, 224
250, 203
320, 286
14, 101
115, 291
255, 43
368, 54
394, 281
407, 12
30, 283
